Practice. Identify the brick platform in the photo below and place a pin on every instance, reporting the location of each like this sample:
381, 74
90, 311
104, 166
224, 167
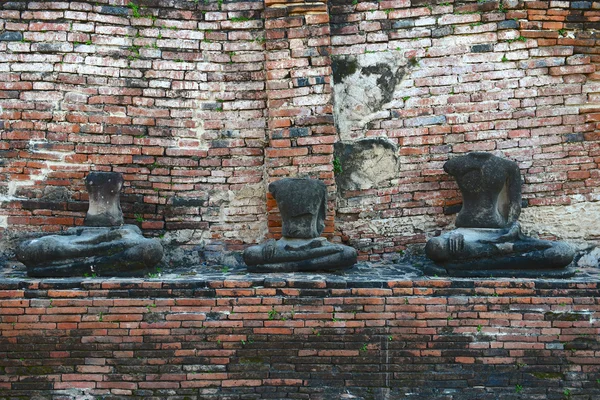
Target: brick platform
299, 337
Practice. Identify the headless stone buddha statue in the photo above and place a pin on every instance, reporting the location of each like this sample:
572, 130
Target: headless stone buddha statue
103, 246
303, 206
488, 239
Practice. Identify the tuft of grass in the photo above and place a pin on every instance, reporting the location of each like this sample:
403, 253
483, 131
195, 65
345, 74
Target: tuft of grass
337, 166
239, 19
135, 9
518, 388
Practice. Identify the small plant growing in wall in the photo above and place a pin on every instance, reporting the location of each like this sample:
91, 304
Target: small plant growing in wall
239, 19
412, 61
337, 166
518, 388
155, 274
135, 9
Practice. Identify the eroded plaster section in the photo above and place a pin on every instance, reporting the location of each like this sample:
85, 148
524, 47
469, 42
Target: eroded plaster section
243, 210
575, 222
364, 89
365, 164
404, 227
53, 161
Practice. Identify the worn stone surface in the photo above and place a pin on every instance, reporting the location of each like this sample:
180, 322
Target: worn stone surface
306, 255
478, 252
577, 222
303, 205
488, 237
365, 163
490, 188
104, 189
104, 246
363, 85
102, 251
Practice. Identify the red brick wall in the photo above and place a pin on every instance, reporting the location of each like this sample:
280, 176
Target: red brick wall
201, 104
517, 80
266, 338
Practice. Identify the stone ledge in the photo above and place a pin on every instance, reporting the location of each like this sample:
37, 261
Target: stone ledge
362, 276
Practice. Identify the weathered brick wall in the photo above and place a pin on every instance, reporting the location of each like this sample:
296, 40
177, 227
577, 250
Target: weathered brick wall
201, 103
282, 339
301, 130
515, 78
171, 94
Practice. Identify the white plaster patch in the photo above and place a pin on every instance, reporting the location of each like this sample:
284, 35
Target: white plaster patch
576, 222
366, 163
591, 259
245, 211
360, 97
186, 236
42, 175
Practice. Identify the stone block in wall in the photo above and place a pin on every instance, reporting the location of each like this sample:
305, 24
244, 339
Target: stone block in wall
365, 164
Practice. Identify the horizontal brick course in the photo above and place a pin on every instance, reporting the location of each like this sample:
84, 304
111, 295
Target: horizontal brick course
458, 335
